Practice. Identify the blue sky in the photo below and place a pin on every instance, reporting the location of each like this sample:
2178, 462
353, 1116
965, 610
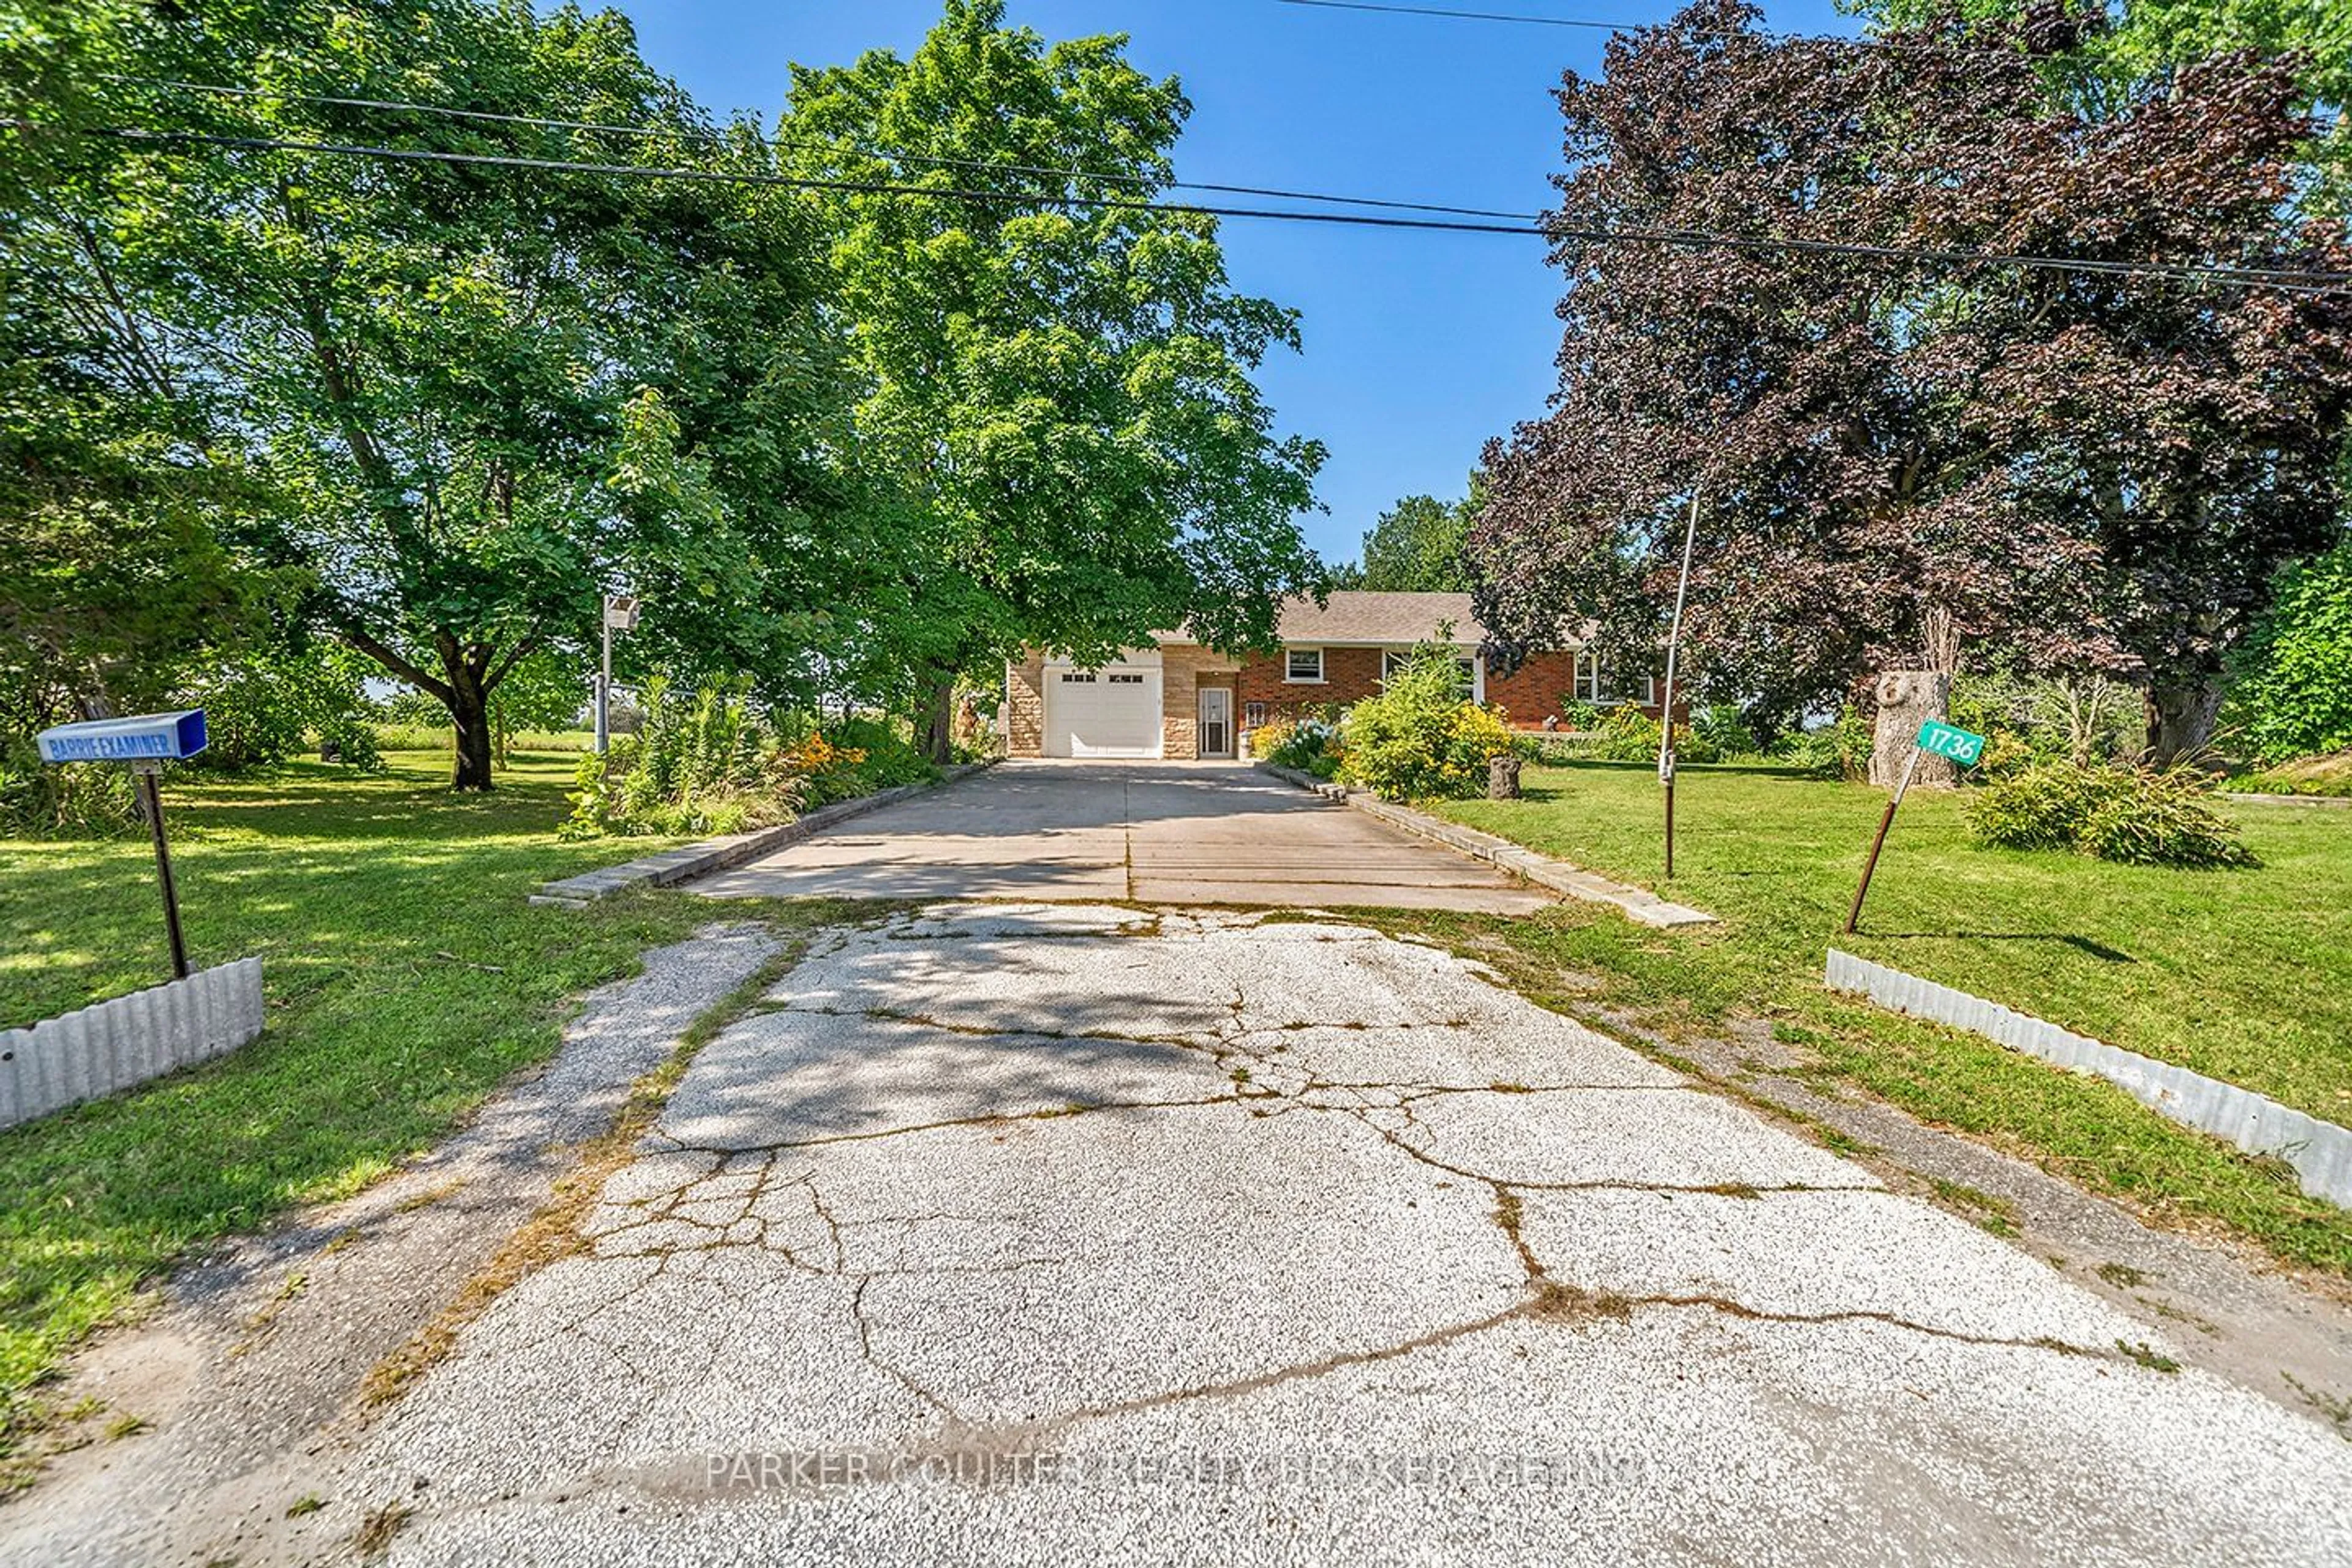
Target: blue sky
1418, 346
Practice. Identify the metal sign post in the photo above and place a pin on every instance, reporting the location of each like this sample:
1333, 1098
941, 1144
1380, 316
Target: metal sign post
146, 742
1943, 740
620, 615
1667, 713
152, 797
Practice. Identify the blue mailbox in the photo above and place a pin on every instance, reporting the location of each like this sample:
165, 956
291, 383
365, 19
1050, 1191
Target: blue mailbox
145, 740
141, 738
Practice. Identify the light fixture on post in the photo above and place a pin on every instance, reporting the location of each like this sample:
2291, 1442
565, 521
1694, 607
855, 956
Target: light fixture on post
620, 616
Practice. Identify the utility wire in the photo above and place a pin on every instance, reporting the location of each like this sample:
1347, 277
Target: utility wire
2284, 279
932, 160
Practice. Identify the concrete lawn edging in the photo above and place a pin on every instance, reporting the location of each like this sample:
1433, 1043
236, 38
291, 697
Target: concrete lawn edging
116, 1044
1638, 903
2320, 1151
689, 861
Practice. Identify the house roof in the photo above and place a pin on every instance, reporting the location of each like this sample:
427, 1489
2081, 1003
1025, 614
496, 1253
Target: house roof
1353, 615
1360, 617
1383, 619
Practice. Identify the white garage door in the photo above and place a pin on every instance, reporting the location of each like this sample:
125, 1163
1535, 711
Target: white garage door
1102, 713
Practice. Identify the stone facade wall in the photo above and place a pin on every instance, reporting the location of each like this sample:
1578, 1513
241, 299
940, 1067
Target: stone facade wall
1182, 670
1024, 708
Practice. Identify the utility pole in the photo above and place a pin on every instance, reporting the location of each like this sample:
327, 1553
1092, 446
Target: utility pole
620, 615
1667, 713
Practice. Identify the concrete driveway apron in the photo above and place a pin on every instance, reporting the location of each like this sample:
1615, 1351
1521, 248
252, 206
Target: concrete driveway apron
1160, 832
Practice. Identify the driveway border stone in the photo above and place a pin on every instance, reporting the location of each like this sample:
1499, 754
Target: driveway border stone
1638, 903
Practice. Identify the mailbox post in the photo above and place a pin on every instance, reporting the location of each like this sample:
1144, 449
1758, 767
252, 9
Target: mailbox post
145, 742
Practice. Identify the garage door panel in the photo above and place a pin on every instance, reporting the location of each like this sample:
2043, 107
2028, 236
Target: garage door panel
1103, 713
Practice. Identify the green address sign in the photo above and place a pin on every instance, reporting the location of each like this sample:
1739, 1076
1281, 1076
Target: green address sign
1945, 741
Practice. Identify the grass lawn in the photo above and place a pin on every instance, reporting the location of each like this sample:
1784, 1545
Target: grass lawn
405, 977
2245, 976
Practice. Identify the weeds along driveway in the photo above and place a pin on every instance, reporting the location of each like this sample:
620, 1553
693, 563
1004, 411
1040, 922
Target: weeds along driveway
1072, 1234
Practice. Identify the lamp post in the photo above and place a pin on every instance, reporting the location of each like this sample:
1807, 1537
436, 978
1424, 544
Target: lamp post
620, 616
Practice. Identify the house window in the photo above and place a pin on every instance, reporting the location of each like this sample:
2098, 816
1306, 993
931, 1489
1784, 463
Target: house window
1393, 659
1600, 688
1077, 678
1252, 714
1126, 681
1304, 664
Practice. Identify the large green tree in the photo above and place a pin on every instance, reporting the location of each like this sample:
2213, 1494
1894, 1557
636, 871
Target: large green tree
488, 395
1061, 395
119, 515
1418, 545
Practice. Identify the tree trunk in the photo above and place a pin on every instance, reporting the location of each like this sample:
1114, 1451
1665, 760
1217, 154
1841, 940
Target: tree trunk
935, 717
469, 716
1906, 699
2180, 715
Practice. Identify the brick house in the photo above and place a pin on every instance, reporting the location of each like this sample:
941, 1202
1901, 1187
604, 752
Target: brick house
1177, 700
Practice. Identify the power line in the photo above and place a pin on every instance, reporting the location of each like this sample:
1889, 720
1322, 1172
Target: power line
788, 181
932, 160
2287, 280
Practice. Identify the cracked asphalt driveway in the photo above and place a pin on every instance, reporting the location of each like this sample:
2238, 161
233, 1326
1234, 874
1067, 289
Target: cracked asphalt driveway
1073, 1234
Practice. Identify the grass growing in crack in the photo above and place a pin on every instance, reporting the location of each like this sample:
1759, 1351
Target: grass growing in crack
553, 1233
377, 1530
2336, 1409
2147, 1356
310, 1503
2121, 1276
1559, 1303
1992, 1213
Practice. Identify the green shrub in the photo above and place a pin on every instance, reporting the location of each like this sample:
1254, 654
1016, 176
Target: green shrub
704, 763
351, 740
2111, 812
1626, 735
268, 705
861, 756
2167, 820
1722, 730
1418, 739
1840, 749
2293, 695
1309, 744
2041, 807
78, 800
708, 762
1578, 715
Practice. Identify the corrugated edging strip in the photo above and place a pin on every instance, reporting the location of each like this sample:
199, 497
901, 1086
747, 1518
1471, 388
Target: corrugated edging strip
689, 861
116, 1044
1639, 904
2320, 1151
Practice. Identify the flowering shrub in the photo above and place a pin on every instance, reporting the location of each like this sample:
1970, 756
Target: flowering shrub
710, 763
1419, 739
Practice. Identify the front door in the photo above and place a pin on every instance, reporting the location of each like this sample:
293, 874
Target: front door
1216, 722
